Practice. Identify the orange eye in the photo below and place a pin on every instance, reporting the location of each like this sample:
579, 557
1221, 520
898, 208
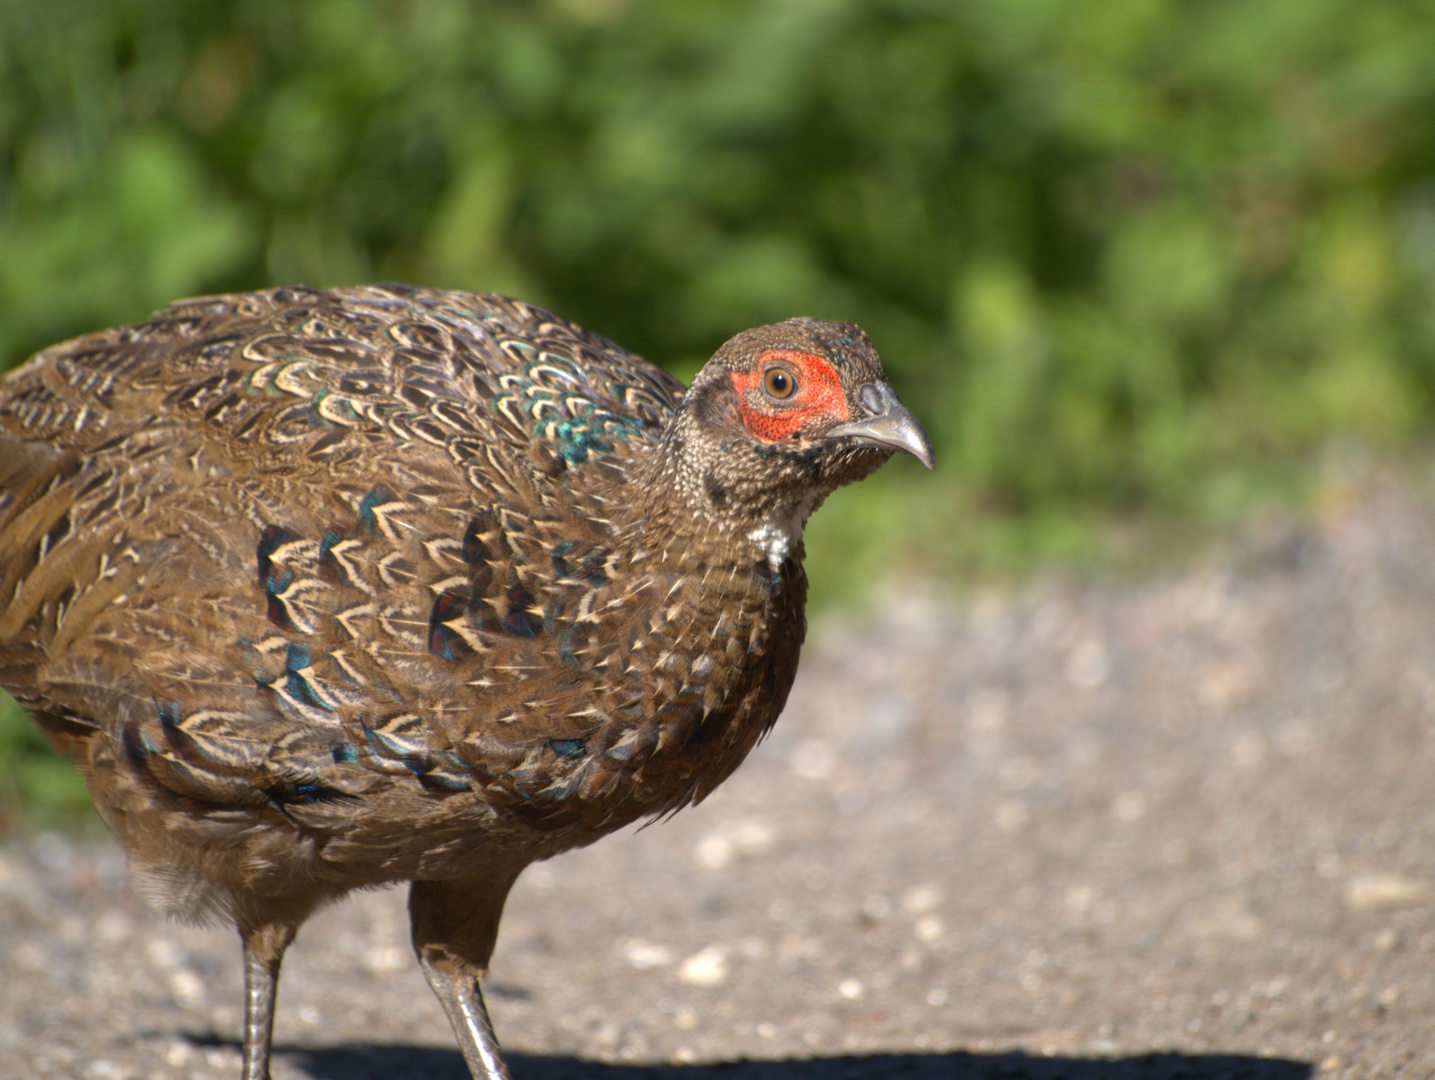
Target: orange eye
779, 383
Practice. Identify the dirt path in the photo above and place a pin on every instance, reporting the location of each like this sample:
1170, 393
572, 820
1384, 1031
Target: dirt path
1185, 829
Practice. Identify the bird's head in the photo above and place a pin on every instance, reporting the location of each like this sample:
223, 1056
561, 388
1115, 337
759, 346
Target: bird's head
780, 417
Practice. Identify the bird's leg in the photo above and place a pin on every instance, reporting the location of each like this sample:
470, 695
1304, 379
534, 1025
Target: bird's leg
263, 951
455, 924
463, 1001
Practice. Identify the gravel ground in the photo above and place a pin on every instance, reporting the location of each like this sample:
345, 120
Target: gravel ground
1178, 829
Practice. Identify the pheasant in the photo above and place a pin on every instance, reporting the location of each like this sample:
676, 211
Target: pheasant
331, 589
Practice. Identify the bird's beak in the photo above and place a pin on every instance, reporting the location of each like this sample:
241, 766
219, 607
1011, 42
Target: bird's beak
887, 424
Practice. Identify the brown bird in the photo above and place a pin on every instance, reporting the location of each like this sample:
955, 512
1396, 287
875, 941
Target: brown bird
328, 589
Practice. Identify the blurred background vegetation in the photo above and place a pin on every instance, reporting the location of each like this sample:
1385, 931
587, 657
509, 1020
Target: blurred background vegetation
1138, 259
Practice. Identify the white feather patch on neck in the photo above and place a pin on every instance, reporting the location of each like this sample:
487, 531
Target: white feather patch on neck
780, 533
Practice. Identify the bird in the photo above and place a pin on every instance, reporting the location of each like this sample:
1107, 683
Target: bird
332, 589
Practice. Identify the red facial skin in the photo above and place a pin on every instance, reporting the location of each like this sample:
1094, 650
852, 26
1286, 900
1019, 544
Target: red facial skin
818, 393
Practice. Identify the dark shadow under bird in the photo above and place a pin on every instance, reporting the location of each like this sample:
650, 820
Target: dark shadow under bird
330, 589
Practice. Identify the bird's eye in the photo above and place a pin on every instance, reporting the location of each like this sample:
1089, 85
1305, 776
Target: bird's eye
778, 383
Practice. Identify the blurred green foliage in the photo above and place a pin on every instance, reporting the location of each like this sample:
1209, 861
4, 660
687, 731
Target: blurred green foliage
1138, 255
37, 789
1111, 250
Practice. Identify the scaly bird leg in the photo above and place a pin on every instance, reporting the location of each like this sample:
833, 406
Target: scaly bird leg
458, 991
263, 952
455, 924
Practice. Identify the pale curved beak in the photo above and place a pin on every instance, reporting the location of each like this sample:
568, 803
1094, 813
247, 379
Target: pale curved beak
888, 424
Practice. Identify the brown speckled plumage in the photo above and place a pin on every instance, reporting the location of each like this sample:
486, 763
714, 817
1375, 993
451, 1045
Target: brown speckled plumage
330, 589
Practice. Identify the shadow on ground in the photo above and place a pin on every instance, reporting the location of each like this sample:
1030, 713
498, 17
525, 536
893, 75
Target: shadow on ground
428, 1063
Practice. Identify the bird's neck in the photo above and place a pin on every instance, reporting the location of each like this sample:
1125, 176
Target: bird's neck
689, 505
779, 535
